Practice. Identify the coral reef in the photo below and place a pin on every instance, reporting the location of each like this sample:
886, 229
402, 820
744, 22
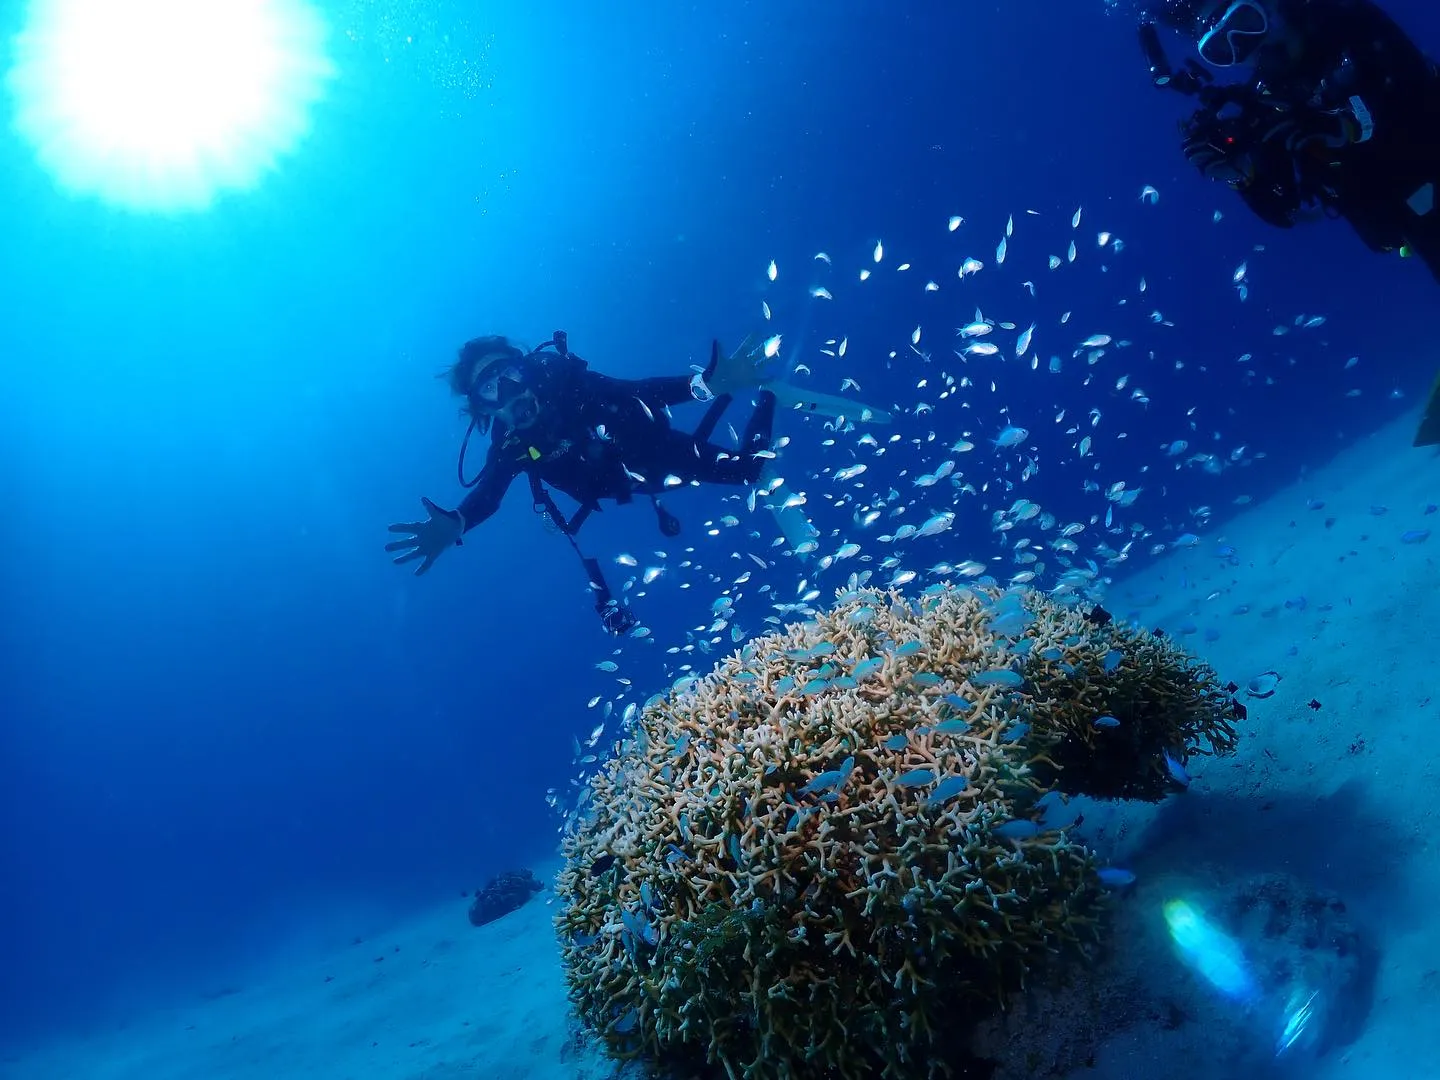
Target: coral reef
830, 855
1166, 706
502, 895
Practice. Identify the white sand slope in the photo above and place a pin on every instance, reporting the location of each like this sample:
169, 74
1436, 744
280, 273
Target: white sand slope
1344, 795
432, 999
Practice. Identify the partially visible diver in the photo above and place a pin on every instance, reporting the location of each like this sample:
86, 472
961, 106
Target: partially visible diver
1331, 112
592, 437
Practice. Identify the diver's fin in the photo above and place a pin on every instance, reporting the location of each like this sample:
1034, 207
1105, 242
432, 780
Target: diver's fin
799, 534
1429, 431
790, 396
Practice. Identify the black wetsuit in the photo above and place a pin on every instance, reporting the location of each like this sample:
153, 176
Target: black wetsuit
1386, 186
599, 437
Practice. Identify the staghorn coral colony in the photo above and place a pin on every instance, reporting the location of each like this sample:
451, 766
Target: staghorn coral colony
830, 856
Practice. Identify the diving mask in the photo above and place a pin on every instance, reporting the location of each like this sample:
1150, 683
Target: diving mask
489, 385
499, 394
1235, 36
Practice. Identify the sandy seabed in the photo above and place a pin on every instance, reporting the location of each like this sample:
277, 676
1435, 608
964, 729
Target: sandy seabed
1343, 796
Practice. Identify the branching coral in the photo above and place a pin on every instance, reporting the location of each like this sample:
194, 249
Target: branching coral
1166, 706
828, 856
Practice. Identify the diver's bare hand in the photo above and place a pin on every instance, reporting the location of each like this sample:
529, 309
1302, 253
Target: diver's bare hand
426, 540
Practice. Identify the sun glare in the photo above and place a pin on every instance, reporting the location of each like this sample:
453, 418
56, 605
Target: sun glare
162, 105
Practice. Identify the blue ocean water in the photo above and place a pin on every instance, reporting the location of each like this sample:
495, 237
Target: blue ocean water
231, 728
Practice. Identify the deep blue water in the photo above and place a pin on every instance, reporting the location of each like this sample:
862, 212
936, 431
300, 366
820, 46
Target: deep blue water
229, 727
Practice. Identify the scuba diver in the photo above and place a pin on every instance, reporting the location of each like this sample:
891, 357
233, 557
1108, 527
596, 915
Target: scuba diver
1335, 114
596, 437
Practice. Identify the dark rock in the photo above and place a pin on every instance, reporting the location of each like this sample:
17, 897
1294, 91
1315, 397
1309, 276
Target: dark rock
503, 895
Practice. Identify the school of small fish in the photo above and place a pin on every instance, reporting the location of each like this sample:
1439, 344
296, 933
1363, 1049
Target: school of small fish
949, 490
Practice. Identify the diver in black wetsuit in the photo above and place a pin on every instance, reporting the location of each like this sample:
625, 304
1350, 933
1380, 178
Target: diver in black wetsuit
1336, 114
589, 435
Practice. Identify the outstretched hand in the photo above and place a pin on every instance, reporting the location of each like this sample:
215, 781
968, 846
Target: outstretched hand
738, 371
426, 540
